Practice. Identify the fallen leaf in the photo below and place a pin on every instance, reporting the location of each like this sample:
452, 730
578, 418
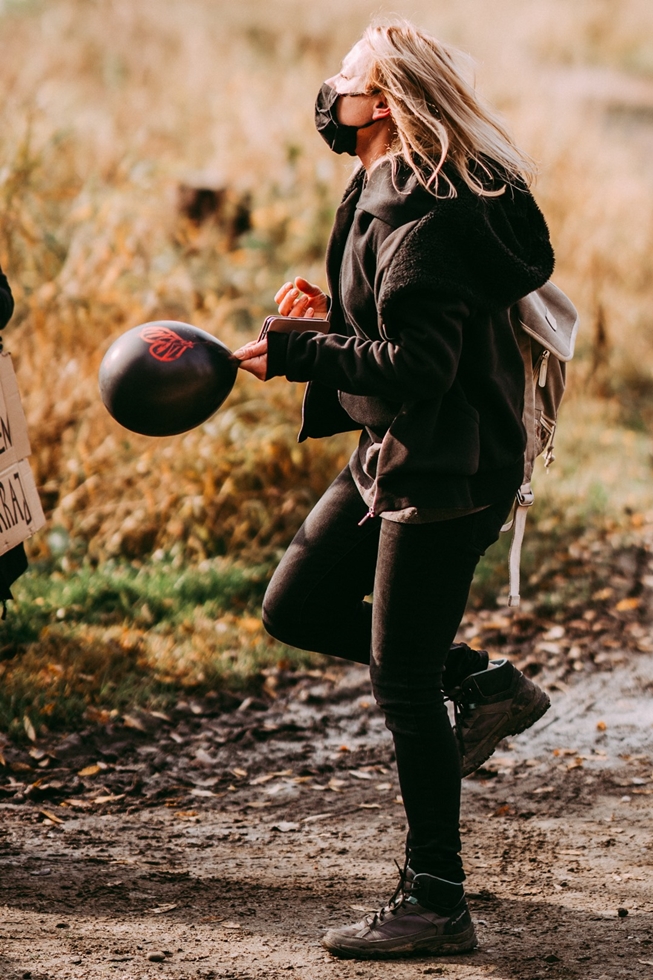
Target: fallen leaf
603, 594
20, 767
203, 792
131, 721
555, 633
577, 763
90, 770
498, 623
29, 728
260, 780
51, 816
369, 806
108, 799
546, 647
336, 785
160, 909
627, 604
270, 775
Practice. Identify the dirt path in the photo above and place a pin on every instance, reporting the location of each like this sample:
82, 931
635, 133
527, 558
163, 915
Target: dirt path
223, 840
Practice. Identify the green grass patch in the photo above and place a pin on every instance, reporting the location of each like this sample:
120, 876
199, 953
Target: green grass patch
82, 645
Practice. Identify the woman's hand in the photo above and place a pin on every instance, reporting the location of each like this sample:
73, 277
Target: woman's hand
253, 358
302, 298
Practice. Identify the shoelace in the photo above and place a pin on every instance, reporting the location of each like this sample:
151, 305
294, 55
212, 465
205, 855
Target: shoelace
398, 898
461, 711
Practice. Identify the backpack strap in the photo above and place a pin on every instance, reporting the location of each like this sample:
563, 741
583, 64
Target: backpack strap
524, 499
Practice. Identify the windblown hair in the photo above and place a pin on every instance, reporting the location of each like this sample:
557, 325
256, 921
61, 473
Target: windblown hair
438, 116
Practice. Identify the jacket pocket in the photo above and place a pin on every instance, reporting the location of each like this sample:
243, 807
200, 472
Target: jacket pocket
434, 437
456, 438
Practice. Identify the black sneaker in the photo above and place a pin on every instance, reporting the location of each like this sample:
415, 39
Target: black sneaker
491, 705
425, 915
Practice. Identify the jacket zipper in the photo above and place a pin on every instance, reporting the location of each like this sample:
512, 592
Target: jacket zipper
372, 510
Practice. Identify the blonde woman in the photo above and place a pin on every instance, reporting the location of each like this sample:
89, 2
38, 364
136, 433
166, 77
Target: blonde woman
436, 237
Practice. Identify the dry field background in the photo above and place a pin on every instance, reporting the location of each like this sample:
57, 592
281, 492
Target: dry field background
109, 106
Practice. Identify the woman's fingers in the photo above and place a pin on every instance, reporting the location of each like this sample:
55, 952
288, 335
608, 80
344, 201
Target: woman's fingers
287, 286
255, 348
300, 306
258, 366
307, 287
288, 301
253, 358
294, 299
318, 300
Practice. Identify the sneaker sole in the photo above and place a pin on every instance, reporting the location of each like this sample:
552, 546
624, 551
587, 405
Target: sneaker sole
513, 725
441, 946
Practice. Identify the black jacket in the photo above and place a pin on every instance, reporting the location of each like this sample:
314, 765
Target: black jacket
14, 562
439, 355
6, 301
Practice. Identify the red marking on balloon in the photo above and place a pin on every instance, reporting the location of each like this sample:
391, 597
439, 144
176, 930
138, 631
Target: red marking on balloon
165, 344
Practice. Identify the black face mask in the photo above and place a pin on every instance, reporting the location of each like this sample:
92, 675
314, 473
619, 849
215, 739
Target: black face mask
341, 139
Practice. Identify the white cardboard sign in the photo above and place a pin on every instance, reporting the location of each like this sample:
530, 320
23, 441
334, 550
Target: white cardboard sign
14, 440
21, 513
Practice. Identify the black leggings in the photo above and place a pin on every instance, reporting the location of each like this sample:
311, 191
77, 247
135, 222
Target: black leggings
420, 575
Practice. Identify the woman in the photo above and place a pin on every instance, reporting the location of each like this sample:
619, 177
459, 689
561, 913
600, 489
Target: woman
436, 237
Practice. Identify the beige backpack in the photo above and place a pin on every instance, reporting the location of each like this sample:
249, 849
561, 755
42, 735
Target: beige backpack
545, 324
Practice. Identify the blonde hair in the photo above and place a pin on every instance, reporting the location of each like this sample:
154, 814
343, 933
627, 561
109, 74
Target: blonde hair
438, 115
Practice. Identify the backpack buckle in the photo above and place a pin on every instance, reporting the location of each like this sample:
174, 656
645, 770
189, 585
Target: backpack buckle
525, 497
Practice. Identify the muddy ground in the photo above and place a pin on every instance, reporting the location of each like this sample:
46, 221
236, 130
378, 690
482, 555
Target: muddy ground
221, 839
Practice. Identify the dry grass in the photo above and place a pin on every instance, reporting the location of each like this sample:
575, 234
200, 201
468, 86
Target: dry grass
106, 107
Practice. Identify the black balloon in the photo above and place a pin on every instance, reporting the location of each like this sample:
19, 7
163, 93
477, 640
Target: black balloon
165, 377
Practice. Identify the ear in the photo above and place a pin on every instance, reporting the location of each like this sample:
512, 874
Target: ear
381, 109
